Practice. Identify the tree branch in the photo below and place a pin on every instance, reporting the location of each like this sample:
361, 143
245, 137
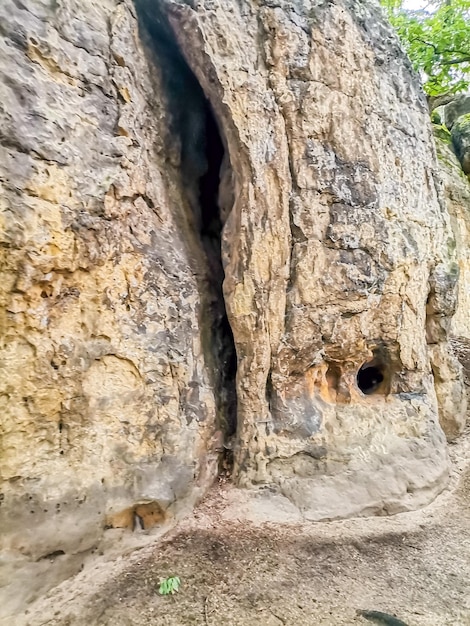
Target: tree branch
456, 61
465, 55
426, 43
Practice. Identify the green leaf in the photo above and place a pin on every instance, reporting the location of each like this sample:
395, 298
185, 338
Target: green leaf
169, 585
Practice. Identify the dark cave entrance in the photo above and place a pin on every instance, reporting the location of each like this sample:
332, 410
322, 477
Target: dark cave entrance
369, 378
373, 377
198, 139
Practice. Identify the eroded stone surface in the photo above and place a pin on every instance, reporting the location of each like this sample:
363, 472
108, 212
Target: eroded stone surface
336, 247
107, 385
337, 252
457, 194
459, 106
446, 369
461, 140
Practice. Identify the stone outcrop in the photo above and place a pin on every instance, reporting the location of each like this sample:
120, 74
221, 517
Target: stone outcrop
338, 255
110, 315
461, 141
456, 118
457, 194
460, 105
147, 144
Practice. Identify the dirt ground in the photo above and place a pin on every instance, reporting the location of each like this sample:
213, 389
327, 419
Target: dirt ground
415, 566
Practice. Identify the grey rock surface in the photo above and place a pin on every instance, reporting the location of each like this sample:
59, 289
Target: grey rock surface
457, 195
459, 106
340, 275
461, 141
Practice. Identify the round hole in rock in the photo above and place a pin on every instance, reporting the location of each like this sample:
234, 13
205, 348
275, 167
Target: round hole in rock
369, 378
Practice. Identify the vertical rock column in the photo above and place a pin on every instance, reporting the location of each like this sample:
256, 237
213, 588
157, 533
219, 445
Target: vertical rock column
220, 45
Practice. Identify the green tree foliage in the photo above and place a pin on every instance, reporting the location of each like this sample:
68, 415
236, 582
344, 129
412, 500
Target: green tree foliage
437, 40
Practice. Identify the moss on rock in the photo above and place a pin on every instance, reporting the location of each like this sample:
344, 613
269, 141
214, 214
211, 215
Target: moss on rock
442, 132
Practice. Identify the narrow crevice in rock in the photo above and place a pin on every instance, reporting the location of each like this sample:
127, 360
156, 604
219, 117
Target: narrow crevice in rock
201, 155
51, 555
211, 232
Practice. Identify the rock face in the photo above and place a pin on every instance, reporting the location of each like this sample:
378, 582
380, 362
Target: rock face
461, 141
137, 140
340, 280
110, 357
457, 194
459, 106
456, 117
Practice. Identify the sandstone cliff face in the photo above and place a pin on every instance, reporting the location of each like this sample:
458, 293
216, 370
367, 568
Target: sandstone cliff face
135, 138
338, 254
109, 387
457, 193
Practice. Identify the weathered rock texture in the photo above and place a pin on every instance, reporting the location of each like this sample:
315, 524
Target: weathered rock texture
456, 118
460, 105
457, 194
337, 253
340, 278
109, 381
461, 141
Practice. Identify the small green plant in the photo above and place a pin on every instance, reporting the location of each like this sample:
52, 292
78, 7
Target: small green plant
169, 585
